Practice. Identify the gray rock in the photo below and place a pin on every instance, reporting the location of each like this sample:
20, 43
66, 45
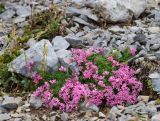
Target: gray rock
116, 29
156, 117
93, 107
31, 42
3, 43
57, 1
19, 20
156, 17
23, 11
113, 114
2, 110
37, 53
143, 98
141, 38
17, 119
64, 116
120, 11
101, 115
28, 117
10, 106
155, 47
99, 42
157, 54
155, 78
115, 110
151, 108
4, 117
8, 14
64, 57
60, 43
74, 41
83, 11
53, 118
78, 1
137, 108
138, 60
35, 102
83, 22
53, 113
93, 118
154, 75
11, 102
64, 54
152, 58
154, 29
79, 34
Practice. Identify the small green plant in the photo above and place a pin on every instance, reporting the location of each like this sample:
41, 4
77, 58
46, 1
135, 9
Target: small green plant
13, 82
43, 25
149, 85
2, 8
60, 76
122, 56
102, 62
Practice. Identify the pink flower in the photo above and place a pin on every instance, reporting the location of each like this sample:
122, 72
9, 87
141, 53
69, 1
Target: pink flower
53, 81
36, 77
62, 69
132, 51
114, 62
87, 74
105, 73
30, 65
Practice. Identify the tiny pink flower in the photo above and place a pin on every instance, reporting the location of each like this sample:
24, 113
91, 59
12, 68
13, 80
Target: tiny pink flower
36, 77
87, 74
62, 69
30, 65
132, 51
53, 81
105, 73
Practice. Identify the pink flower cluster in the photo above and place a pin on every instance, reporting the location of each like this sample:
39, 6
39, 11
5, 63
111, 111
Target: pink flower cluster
123, 87
74, 92
46, 94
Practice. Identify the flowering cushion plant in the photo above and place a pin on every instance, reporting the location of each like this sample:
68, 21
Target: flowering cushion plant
101, 80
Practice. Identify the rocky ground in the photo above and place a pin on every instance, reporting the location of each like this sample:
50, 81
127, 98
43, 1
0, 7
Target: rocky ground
87, 24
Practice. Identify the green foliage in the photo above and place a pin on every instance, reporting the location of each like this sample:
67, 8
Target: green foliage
43, 25
27, 84
158, 101
149, 85
10, 81
9, 55
101, 61
122, 56
4, 74
2, 8
103, 65
59, 76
